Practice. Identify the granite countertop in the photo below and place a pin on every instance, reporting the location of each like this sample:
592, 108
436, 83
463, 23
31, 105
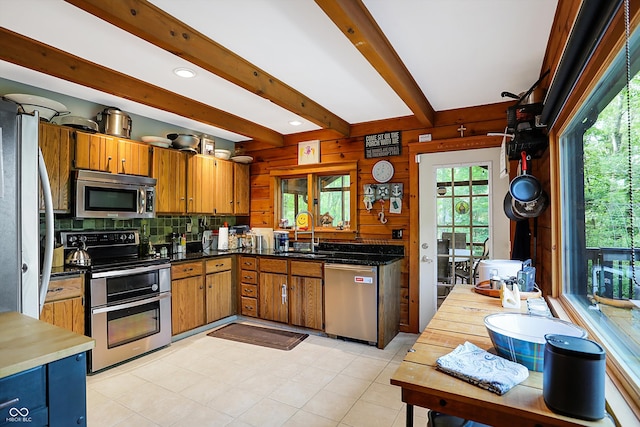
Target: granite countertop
26, 343
329, 253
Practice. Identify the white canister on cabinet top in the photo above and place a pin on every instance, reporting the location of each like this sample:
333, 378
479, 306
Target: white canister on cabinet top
506, 268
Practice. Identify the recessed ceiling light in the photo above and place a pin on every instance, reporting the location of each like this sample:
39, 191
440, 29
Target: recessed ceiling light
184, 72
295, 123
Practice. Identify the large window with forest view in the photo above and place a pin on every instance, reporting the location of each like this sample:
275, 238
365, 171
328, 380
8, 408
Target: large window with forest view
600, 182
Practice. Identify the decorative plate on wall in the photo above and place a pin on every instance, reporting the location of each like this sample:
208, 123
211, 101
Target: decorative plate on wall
382, 171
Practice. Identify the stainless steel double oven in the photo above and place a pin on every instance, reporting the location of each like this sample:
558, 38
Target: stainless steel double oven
128, 299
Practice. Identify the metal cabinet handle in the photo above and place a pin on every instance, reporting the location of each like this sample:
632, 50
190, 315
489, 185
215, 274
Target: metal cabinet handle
9, 402
284, 293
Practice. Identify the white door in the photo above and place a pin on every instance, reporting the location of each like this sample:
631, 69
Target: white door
499, 223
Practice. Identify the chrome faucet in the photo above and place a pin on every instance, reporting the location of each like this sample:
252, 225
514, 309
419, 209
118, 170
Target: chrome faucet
312, 225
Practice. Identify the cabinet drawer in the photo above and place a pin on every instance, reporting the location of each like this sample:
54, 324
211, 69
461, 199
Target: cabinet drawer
186, 269
306, 269
248, 263
218, 264
249, 290
69, 287
249, 307
28, 387
248, 276
273, 265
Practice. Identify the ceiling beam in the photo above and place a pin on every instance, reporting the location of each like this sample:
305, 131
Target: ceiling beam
355, 21
29, 53
145, 20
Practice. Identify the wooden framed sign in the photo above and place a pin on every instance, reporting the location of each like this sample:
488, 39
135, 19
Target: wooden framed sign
382, 145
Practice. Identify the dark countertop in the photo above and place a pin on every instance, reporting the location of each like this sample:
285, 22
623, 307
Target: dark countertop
328, 253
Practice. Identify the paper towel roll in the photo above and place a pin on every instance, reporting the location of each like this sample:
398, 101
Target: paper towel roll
223, 238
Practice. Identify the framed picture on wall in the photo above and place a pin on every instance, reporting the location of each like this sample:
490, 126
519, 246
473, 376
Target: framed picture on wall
309, 152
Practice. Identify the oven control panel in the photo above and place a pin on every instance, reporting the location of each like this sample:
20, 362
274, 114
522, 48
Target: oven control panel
94, 239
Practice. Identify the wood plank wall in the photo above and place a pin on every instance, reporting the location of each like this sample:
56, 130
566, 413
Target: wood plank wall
477, 121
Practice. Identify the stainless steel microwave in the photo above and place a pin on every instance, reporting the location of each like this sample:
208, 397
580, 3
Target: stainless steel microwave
108, 195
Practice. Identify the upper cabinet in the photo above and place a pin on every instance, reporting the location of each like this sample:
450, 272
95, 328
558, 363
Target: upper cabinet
223, 200
201, 184
133, 158
95, 152
55, 143
109, 154
241, 173
169, 168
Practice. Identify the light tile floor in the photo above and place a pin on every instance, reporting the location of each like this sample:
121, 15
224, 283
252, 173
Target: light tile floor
205, 381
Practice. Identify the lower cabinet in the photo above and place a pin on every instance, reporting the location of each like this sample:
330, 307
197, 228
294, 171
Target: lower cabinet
305, 294
201, 292
64, 305
187, 296
248, 272
53, 395
291, 292
220, 292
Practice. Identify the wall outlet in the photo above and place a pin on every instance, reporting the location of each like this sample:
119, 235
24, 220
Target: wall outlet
426, 137
188, 227
396, 234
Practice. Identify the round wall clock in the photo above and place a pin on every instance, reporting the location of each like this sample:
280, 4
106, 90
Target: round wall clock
382, 171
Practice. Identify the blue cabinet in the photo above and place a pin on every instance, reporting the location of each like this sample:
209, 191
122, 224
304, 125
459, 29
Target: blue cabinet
51, 395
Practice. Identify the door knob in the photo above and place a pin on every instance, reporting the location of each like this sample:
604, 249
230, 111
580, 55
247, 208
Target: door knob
426, 259
425, 246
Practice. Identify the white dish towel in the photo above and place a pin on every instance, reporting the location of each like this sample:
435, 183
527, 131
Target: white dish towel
479, 367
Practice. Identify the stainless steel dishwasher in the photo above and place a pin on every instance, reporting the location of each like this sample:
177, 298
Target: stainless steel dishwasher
351, 301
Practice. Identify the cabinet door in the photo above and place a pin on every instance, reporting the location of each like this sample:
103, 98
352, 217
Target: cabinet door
133, 158
170, 171
241, 188
273, 297
200, 184
67, 391
219, 296
96, 152
187, 304
55, 143
223, 204
66, 313
305, 302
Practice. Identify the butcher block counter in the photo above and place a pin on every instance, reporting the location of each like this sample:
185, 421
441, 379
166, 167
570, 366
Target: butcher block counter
27, 343
460, 319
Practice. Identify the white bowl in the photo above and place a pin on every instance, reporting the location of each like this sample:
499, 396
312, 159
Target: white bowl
520, 337
47, 108
222, 154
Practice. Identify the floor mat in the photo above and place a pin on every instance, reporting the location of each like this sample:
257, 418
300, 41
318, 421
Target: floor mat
266, 337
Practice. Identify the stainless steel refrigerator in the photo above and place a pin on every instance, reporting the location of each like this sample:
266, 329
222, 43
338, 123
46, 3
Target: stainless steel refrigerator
21, 164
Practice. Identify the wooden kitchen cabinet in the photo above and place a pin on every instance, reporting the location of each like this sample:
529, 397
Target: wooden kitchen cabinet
305, 294
223, 195
169, 168
95, 152
273, 289
133, 157
248, 271
220, 292
241, 188
55, 143
201, 184
64, 304
187, 296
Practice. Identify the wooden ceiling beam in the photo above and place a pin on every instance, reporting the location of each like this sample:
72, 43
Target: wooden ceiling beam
29, 53
145, 20
355, 21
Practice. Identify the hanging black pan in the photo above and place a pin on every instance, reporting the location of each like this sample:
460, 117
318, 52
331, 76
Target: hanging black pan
524, 187
508, 208
531, 209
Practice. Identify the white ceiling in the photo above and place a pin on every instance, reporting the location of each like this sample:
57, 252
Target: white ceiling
460, 52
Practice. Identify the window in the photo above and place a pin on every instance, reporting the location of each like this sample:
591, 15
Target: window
327, 191
600, 190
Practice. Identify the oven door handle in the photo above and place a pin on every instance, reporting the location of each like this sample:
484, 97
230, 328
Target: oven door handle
132, 304
129, 271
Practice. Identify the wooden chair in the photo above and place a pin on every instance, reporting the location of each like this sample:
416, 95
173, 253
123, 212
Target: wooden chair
466, 272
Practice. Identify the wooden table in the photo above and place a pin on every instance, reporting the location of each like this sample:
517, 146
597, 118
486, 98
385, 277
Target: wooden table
460, 319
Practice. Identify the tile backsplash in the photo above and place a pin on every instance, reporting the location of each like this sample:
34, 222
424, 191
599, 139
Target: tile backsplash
159, 229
